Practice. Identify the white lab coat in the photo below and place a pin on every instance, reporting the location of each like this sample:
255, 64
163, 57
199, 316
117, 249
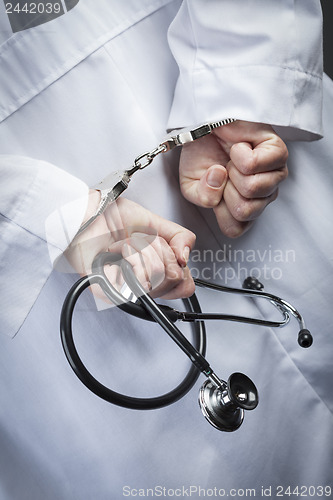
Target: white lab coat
87, 93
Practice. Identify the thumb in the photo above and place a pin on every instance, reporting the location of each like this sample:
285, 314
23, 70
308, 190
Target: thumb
182, 243
211, 186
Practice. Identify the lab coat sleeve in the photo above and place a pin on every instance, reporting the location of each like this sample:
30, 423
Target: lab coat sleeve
252, 60
32, 191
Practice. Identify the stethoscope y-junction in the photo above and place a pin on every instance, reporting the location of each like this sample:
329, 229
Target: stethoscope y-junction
222, 403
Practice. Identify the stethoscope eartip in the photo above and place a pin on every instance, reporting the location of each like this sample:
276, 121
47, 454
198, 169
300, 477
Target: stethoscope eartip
251, 283
305, 338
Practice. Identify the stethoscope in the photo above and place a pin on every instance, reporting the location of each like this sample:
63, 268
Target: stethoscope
222, 403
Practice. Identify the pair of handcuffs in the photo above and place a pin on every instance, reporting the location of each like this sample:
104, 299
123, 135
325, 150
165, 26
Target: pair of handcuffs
112, 186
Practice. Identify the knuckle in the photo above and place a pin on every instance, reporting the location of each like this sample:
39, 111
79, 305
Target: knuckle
246, 164
280, 145
273, 196
284, 151
251, 187
234, 231
249, 167
280, 176
191, 237
244, 211
284, 173
208, 199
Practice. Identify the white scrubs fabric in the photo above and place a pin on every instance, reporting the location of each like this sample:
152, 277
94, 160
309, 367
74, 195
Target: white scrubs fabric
83, 95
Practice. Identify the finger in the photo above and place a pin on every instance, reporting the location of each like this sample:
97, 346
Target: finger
114, 275
240, 137
195, 180
179, 238
111, 273
155, 265
141, 267
132, 249
208, 190
271, 154
185, 288
164, 276
244, 209
164, 271
181, 241
228, 224
258, 185
199, 155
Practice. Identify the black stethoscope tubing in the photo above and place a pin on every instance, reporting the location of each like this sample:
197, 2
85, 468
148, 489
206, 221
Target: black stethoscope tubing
199, 345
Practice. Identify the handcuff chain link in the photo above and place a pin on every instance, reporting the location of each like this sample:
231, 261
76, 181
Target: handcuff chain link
177, 140
149, 157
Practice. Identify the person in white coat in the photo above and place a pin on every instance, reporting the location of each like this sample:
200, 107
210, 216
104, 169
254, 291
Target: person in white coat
86, 93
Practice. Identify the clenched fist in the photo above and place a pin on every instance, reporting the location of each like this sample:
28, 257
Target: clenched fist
235, 171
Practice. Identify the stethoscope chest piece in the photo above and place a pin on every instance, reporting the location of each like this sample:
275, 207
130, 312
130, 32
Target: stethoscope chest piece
224, 406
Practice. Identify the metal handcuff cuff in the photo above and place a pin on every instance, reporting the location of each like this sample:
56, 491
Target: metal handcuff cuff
222, 403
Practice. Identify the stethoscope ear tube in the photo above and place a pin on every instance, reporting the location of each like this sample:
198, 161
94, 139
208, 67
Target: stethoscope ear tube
97, 387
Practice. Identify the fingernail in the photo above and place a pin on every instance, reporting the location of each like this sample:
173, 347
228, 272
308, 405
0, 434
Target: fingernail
215, 177
186, 255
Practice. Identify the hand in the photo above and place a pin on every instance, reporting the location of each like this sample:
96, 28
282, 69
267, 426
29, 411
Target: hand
157, 248
236, 171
